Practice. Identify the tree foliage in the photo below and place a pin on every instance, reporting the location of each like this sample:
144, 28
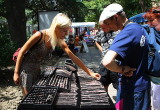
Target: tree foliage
7, 47
74, 9
95, 8
14, 12
69, 7
131, 7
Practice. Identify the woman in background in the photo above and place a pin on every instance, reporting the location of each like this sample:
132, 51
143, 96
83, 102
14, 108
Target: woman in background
153, 17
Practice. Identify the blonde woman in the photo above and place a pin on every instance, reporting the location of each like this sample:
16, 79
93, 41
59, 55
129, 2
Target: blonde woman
27, 67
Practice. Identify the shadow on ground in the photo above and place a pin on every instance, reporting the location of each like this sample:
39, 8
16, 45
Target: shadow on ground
6, 74
6, 77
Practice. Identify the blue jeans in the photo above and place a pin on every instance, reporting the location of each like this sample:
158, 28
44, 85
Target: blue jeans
129, 100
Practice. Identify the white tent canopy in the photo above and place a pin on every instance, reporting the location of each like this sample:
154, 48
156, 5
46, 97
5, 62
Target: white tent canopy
83, 24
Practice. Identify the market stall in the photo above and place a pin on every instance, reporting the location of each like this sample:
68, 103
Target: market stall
79, 27
60, 87
86, 32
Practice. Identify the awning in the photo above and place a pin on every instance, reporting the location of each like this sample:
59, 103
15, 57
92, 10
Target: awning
83, 24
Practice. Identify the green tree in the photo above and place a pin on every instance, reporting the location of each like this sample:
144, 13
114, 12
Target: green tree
95, 8
17, 12
14, 12
131, 7
74, 9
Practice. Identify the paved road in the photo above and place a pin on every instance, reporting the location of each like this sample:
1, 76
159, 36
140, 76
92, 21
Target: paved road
92, 60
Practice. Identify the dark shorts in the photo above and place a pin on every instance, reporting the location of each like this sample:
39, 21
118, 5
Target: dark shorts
108, 77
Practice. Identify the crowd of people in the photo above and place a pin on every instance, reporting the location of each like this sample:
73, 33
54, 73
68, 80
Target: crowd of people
124, 48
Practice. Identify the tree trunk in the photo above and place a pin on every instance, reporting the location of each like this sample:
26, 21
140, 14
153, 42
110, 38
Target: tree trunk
16, 20
142, 5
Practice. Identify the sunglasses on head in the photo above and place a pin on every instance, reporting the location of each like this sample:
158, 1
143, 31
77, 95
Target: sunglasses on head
156, 11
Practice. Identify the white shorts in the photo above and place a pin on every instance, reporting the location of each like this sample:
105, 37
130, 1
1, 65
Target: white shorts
155, 96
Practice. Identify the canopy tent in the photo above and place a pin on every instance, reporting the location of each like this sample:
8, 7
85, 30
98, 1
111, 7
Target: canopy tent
80, 27
138, 18
83, 24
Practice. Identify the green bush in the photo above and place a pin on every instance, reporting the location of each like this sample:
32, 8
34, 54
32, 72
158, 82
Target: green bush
7, 47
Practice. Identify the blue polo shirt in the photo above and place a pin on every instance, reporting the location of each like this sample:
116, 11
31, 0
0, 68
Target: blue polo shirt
131, 46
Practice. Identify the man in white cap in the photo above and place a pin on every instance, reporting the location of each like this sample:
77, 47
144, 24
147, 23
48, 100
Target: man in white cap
130, 49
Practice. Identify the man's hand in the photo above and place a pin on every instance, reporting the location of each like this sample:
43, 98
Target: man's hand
127, 71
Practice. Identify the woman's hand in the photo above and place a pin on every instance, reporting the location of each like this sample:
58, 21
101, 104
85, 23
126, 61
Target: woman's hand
95, 75
16, 78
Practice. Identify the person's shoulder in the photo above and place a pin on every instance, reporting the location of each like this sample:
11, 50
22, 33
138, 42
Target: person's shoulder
102, 33
98, 34
145, 25
133, 26
62, 43
115, 33
43, 32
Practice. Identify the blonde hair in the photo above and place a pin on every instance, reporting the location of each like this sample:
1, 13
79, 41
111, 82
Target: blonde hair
62, 21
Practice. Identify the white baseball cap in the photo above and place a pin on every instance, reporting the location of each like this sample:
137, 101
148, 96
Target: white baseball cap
109, 11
